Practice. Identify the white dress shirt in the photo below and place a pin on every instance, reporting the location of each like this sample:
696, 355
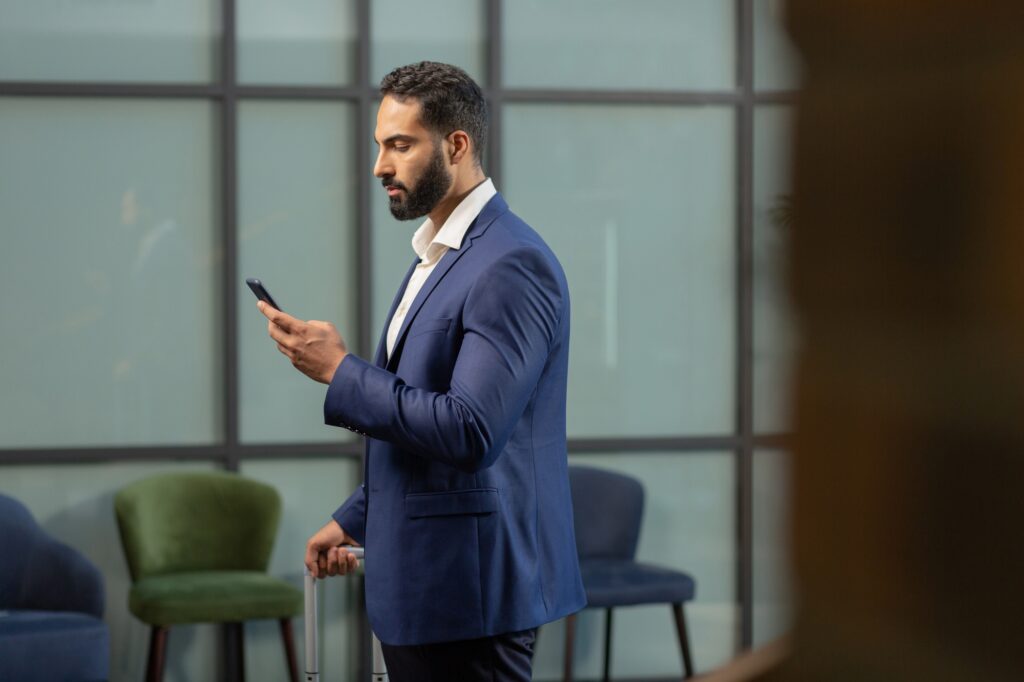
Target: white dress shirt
430, 244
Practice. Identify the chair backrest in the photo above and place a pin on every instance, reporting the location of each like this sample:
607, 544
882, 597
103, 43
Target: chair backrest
201, 521
607, 509
40, 573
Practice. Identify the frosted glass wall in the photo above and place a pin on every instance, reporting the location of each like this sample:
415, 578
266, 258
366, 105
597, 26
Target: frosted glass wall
110, 271
638, 202
115, 208
154, 41
296, 233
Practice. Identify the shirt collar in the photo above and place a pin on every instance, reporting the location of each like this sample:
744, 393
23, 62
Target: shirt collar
454, 229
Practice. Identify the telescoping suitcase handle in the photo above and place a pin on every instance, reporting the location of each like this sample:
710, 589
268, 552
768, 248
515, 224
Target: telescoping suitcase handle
312, 633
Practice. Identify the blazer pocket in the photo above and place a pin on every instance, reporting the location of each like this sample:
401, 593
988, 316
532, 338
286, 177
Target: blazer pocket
450, 503
440, 325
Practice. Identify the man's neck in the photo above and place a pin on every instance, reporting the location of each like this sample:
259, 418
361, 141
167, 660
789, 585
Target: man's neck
455, 196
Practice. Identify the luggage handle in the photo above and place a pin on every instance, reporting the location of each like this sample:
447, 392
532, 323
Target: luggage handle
312, 634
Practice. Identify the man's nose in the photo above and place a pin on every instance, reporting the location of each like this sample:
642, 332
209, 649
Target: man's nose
382, 167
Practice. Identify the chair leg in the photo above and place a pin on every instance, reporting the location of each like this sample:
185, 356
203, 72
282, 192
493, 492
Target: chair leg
289, 649
608, 646
570, 634
157, 653
684, 640
234, 652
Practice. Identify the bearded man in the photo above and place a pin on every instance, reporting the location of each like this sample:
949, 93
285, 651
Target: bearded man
465, 507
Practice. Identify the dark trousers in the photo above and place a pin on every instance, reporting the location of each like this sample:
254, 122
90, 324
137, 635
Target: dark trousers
502, 658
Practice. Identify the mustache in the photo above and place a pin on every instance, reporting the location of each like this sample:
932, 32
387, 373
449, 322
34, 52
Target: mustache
390, 182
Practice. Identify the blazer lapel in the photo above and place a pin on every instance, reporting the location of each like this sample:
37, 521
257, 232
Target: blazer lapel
494, 208
381, 356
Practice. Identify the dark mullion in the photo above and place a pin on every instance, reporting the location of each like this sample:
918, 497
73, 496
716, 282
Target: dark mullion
301, 92
111, 454
327, 450
494, 92
364, 265
364, 132
229, 207
745, 318
775, 97
668, 97
667, 444
772, 441
597, 446
135, 90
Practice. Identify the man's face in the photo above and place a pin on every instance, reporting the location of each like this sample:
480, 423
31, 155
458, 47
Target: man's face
410, 161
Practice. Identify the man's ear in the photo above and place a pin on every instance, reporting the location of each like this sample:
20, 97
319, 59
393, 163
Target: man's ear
458, 146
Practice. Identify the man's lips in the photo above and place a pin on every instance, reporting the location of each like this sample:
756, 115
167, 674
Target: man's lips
393, 191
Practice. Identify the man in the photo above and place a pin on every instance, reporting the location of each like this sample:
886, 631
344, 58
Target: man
465, 506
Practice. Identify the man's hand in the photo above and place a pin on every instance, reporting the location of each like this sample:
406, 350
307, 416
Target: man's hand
315, 348
325, 556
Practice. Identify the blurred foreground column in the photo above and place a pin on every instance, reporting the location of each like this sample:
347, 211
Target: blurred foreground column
907, 270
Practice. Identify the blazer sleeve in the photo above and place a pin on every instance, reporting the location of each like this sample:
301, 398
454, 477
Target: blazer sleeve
510, 319
351, 515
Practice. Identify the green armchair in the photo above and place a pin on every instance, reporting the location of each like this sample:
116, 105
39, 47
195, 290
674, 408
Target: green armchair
197, 546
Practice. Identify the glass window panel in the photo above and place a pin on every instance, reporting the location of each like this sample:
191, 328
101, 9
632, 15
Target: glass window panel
407, 31
772, 579
631, 44
689, 524
110, 265
159, 40
637, 201
308, 43
775, 339
297, 233
776, 60
75, 504
310, 492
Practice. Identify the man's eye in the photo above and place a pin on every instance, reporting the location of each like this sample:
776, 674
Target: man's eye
401, 147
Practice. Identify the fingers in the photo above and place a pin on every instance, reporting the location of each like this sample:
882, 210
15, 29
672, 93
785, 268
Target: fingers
282, 320
311, 559
289, 352
339, 561
280, 335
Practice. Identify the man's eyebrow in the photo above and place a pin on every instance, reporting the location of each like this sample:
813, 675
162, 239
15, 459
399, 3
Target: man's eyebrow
398, 137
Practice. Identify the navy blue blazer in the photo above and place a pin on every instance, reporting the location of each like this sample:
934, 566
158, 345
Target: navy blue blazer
465, 508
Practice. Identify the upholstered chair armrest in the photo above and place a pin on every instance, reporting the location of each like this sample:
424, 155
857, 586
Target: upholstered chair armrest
58, 577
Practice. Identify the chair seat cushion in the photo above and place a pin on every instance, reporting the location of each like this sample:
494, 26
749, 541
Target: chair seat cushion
213, 597
44, 646
621, 582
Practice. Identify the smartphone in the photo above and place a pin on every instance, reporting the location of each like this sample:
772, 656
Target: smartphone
261, 292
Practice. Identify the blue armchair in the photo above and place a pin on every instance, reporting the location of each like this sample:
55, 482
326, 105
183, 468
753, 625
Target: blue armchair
51, 606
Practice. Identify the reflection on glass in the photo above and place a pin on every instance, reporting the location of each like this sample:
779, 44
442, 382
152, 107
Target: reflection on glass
407, 31
638, 204
297, 43
630, 44
773, 600
110, 265
109, 41
775, 338
776, 60
297, 227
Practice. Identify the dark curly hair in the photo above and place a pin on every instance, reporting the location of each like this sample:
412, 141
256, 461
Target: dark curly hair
449, 99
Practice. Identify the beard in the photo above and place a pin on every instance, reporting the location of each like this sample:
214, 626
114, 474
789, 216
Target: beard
429, 189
